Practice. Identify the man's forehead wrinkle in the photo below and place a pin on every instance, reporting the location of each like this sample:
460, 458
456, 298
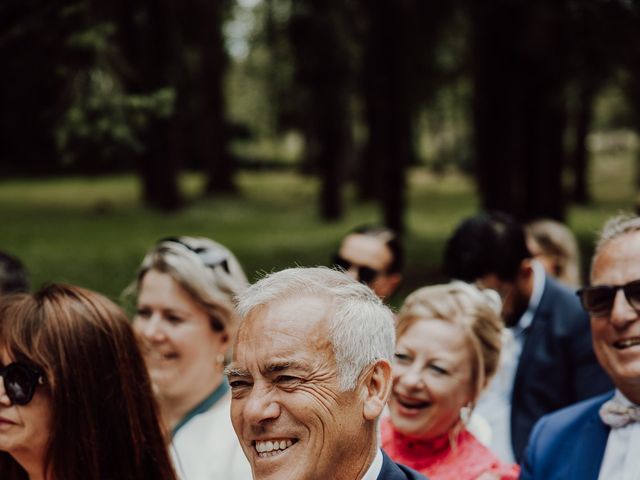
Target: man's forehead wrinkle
276, 365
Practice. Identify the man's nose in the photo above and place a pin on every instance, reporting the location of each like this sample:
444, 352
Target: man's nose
260, 406
622, 313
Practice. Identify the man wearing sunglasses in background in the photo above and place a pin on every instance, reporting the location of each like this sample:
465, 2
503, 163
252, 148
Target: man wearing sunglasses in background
372, 255
547, 360
600, 438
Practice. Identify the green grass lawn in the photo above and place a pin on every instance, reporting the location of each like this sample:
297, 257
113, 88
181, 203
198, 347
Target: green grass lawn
93, 232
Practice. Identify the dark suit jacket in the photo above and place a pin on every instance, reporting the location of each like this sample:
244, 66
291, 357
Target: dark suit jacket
568, 444
395, 471
557, 366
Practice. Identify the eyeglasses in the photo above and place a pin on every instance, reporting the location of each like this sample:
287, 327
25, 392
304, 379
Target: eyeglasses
598, 300
20, 382
211, 258
365, 274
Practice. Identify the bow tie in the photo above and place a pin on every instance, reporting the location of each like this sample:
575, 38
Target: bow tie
617, 414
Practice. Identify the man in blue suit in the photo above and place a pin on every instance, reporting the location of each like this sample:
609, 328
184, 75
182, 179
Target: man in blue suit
310, 376
600, 438
547, 359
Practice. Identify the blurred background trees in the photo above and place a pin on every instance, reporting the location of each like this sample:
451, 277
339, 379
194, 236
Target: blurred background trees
351, 91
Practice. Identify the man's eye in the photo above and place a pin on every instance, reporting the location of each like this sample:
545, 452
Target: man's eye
287, 379
236, 384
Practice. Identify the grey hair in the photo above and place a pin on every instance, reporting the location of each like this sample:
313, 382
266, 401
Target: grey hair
615, 227
361, 327
207, 270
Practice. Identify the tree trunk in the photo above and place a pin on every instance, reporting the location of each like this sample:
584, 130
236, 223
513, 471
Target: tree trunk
519, 110
218, 163
320, 35
389, 107
584, 115
146, 52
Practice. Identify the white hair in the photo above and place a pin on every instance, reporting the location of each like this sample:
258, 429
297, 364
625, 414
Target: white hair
361, 327
616, 227
613, 228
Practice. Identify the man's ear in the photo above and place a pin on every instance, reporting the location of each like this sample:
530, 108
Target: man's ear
376, 389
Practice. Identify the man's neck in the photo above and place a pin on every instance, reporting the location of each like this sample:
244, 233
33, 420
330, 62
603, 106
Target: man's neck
358, 467
631, 392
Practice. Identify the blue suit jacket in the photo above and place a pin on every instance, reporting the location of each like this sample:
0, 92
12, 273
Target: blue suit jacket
557, 366
395, 471
568, 444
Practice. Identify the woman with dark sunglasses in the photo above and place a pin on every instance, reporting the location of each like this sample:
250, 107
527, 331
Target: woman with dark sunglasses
75, 397
185, 321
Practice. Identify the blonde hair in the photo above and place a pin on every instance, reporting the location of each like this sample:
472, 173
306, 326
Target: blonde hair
476, 311
207, 270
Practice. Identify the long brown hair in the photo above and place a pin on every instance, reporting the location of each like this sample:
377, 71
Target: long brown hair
105, 422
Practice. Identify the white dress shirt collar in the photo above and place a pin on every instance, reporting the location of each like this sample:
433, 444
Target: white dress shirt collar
539, 277
621, 460
375, 468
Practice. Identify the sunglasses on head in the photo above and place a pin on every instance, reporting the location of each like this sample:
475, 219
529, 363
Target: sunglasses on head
209, 257
20, 382
598, 300
365, 274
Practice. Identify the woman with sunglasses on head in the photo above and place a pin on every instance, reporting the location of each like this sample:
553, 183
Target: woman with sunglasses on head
447, 349
75, 398
185, 322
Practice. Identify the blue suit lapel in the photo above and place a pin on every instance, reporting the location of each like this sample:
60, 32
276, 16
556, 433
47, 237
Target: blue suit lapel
587, 455
534, 335
393, 471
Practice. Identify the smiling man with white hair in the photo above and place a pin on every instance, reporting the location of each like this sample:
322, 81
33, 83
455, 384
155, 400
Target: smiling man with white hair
310, 376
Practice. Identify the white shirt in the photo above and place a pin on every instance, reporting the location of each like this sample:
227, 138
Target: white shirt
621, 459
494, 404
206, 447
374, 469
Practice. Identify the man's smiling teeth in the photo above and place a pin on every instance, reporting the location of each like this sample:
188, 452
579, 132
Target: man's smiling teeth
630, 342
272, 447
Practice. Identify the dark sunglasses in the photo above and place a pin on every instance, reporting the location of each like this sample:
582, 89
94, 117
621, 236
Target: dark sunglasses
365, 274
598, 300
20, 382
210, 258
